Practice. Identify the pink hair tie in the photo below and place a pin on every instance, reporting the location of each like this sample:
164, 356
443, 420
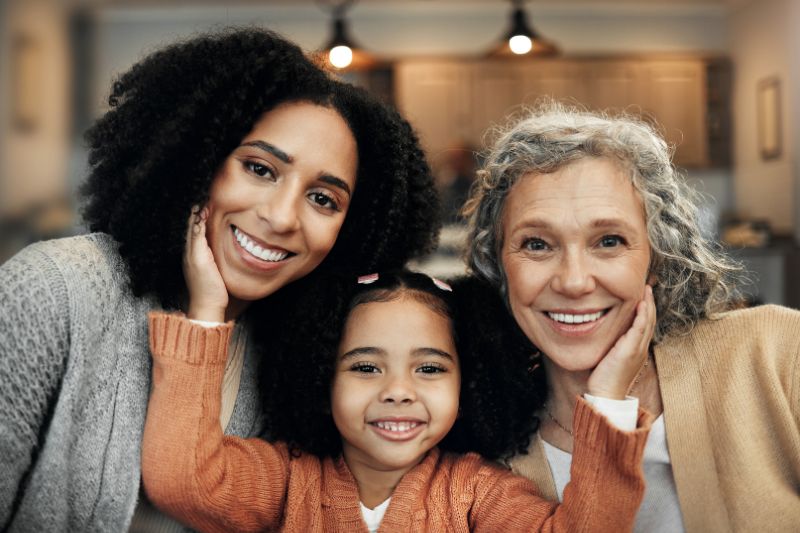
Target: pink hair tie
368, 278
441, 284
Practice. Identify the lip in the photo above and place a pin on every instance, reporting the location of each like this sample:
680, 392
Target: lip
576, 330
397, 436
253, 261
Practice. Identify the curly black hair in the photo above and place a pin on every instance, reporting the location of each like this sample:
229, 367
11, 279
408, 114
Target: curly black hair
176, 115
499, 392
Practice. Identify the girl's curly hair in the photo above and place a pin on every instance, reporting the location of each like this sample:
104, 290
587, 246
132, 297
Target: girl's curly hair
499, 393
175, 116
694, 278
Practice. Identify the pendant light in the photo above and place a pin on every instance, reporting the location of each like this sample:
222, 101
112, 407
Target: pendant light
341, 53
522, 40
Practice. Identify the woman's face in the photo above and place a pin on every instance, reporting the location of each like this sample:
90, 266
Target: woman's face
278, 201
576, 255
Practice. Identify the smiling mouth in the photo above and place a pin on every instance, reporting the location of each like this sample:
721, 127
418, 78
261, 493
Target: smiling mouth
396, 427
397, 430
576, 318
263, 253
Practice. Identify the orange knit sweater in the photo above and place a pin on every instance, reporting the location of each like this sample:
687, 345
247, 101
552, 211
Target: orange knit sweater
214, 482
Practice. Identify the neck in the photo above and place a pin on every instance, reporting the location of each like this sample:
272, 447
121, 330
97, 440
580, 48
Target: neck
375, 485
564, 385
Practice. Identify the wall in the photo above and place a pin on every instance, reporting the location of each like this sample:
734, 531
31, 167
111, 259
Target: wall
408, 28
763, 43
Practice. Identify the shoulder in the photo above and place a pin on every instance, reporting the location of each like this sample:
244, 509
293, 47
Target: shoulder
88, 266
72, 257
767, 336
762, 325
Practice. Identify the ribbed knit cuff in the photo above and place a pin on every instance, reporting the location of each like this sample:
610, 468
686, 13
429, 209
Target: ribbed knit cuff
173, 336
595, 431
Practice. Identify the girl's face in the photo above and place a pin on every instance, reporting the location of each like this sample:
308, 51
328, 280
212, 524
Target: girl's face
396, 385
278, 201
576, 256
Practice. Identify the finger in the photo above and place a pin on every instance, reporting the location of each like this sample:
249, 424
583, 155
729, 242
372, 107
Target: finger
190, 223
650, 314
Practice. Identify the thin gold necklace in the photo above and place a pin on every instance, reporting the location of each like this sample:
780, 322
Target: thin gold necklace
635, 382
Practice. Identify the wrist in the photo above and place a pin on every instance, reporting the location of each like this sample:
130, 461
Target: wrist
206, 313
610, 394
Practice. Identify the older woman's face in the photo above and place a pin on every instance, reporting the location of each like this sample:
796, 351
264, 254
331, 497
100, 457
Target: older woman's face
576, 255
278, 201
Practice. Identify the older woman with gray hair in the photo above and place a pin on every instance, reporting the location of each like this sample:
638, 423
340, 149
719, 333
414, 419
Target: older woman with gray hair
573, 216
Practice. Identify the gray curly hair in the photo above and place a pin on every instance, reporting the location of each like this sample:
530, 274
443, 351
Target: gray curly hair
694, 278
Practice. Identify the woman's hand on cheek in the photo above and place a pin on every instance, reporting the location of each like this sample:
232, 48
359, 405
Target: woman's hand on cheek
612, 378
208, 297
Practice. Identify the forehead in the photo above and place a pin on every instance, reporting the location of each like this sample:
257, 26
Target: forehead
403, 321
590, 188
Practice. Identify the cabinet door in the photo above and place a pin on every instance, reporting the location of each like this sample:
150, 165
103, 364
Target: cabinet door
496, 94
562, 80
614, 86
434, 96
676, 96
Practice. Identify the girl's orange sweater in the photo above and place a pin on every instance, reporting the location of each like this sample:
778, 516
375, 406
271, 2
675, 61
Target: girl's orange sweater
214, 482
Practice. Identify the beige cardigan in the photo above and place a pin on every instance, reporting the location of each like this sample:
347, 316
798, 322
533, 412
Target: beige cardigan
731, 395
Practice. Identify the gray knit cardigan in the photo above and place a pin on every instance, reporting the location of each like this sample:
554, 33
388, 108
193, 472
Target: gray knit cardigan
74, 384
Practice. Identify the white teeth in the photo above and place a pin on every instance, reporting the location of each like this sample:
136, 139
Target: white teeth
264, 254
396, 426
575, 319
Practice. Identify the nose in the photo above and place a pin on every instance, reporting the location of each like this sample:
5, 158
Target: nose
279, 207
574, 277
398, 389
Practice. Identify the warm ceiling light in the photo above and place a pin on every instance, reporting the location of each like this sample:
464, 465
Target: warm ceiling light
340, 52
521, 39
520, 44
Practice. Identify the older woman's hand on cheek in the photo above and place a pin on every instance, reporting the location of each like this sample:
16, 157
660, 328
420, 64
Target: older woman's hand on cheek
613, 376
208, 297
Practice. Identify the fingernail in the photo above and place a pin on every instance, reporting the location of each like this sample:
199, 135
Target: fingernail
195, 209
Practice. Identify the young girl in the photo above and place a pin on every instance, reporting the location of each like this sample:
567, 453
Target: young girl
394, 395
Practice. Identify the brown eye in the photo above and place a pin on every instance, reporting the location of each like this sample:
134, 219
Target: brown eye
323, 200
258, 169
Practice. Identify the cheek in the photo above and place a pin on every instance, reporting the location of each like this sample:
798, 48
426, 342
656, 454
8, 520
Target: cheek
322, 236
523, 284
346, 402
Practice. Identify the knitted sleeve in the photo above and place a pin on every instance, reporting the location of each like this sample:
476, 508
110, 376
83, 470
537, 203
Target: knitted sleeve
34, 344
190, 470
604, 494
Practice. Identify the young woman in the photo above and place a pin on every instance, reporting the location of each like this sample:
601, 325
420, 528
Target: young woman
300, 174
392, 397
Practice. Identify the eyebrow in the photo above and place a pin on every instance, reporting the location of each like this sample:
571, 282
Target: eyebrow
330, 179
274, 150
596, 223
380, 352
610, 222
336, 182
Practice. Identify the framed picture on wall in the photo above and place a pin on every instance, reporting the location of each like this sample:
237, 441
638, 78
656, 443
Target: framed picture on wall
769, 118
26, 82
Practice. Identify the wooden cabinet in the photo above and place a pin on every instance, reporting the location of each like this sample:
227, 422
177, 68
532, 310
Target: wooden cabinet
458, 100
675, 95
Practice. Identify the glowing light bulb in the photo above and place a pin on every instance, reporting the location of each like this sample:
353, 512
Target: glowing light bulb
520, 44
340, 56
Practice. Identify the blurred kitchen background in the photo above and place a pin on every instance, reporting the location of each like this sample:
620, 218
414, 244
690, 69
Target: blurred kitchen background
721, 77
